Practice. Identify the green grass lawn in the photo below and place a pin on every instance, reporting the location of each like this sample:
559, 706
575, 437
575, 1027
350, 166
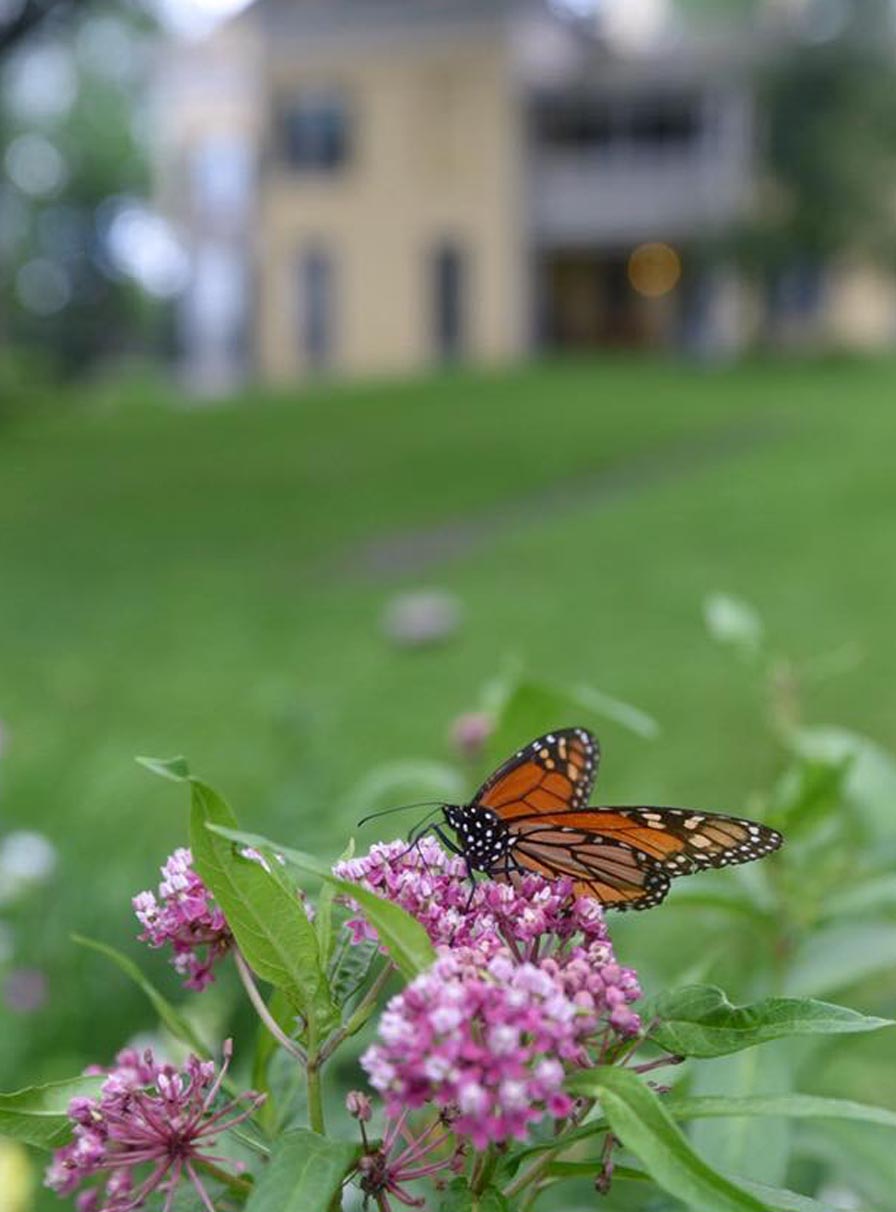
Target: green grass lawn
211, 582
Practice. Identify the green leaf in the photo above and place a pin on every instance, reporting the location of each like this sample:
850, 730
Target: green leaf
869, 894
840, 955
644, 1126
755, 1146
700, 1021
855, 1156
403, 937
353, 968
323, 919
806, 793
168, 1015
304, 1173
283, 1013
264, 912
783, 1200
599, 704
870, 781
174, 768
791, 1106
778, 1198
786, 1106
458, 1197
37, 1116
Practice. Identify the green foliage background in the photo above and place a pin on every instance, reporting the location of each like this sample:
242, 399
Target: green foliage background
213, 582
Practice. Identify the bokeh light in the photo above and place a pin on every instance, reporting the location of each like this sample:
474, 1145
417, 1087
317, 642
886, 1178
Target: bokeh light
41, 83
196, 18
43, 287
654, 269
35, 165
142, 245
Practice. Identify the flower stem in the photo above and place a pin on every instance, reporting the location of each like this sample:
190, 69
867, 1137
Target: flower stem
263, 1012
483, 1170
234, 1183
660, 1063
315, 1096
318, 1056
529, 1177
250, 1142
359, 1017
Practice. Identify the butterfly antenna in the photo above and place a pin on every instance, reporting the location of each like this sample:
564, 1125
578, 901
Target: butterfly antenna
416, 834
372, 816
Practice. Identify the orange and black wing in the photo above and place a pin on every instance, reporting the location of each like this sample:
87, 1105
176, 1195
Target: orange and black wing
613, 872
678, 839
668, 841
553, 774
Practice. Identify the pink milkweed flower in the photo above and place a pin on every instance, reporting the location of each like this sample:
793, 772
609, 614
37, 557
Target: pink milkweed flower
470, 731
385, 1169
489, 1038
531, 918
185, 916
147, 1115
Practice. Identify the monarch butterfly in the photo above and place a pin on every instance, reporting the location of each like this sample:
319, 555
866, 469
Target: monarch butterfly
532, 814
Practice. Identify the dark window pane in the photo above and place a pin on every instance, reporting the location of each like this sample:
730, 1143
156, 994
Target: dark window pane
313, 132
316, 305
574, 123
659, 121
587, 123
449, 290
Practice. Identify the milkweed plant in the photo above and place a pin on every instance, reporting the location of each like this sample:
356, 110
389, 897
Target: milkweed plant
422, 1040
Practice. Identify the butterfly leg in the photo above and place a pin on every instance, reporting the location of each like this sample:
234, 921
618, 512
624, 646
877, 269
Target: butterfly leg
451, 845
448, 842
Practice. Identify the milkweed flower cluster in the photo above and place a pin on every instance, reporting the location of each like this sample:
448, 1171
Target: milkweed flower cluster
526, 986
434, 887
532, 919
148, 1117
185, 916
489, 1040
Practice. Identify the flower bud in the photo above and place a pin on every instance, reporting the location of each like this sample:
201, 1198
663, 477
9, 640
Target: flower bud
358, 1105
470, 731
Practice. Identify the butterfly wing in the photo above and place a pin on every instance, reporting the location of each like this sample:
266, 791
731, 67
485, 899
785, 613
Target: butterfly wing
613, 872
682, 840
555, 773
625, 857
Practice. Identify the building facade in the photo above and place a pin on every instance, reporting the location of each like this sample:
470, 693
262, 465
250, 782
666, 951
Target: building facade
379, 186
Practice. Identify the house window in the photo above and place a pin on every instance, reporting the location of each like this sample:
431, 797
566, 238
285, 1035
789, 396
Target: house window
449, 288
316, 308
574, 124
663, 121
580, 123
313, 131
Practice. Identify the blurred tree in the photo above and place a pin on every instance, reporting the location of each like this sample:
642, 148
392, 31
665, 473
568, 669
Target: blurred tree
72, 133
18, 20
827, 110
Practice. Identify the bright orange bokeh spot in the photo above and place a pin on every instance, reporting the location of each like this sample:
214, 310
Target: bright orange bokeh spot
654, 269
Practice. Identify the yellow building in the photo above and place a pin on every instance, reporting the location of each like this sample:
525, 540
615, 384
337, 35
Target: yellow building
377, 186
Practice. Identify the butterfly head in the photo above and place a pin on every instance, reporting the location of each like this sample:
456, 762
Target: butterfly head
483, 838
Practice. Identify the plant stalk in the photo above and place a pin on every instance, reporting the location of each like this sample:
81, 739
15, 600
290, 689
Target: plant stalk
287, 1044
358, 1018
234, 1183
315, 1095
483, 1170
